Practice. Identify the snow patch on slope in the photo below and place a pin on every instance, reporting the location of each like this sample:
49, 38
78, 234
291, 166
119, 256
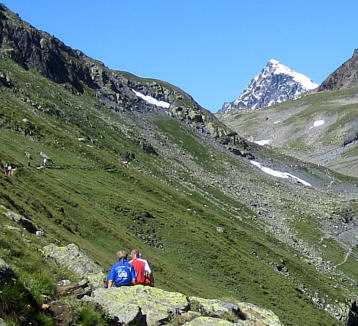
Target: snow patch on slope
263, 142
151, 100
279, 174
318, 123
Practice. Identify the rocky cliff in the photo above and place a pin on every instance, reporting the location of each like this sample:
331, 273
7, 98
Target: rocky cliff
38, 50
345, 76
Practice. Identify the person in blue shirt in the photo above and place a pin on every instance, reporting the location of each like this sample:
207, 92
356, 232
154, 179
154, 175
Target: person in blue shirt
122, 273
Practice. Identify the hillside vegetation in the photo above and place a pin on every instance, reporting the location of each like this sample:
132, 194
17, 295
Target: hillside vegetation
210, 223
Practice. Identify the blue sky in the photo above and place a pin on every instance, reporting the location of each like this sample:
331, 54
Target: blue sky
210, 49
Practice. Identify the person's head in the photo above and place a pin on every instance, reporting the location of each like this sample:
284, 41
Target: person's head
135, 253
121, 254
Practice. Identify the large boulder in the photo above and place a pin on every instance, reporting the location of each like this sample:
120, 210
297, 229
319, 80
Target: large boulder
259, 315
74, 259
215, 308
209, 321
157, 306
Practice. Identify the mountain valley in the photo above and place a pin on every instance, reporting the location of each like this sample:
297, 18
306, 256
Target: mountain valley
136, 162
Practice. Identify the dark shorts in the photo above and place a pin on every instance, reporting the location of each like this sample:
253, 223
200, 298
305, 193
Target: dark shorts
119, 285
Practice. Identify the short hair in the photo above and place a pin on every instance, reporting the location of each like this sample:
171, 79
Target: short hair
122, 254
136, 252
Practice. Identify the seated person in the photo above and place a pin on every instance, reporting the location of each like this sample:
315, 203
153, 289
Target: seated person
122, 273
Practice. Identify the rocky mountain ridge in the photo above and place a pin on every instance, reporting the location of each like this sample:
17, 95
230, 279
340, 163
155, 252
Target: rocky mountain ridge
346, 76
275, 84
72, 68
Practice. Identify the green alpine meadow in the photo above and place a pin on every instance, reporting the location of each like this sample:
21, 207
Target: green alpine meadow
109, 161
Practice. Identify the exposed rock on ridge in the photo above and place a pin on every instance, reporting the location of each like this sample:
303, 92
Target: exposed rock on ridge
345, 76
36, 49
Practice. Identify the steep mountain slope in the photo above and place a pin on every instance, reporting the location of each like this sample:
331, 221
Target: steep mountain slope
276, 83
346, 76
210, 222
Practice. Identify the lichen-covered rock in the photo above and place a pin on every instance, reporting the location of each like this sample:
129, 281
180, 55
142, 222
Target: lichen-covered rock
19, 219
214, 308
74, 259
209, 321
157, 306
261, 316
118, 312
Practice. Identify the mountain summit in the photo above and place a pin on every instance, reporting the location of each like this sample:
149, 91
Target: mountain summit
276, 83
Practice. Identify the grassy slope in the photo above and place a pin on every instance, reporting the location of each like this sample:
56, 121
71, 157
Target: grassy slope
87, 198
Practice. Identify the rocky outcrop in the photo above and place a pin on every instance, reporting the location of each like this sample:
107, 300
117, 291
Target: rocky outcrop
353, 315
21, 220
152, 306
345, 76
74, 259
142, 305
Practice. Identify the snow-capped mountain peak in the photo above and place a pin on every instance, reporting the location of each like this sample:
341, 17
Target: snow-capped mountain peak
275, 84
279, 68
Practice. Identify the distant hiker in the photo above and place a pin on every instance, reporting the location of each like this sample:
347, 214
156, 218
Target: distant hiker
9, 169
122, 273
44, 161
125, 164
141, 266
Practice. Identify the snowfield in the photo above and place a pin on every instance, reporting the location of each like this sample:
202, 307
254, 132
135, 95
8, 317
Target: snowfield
306, 82
279, 174
263, 142
151, 100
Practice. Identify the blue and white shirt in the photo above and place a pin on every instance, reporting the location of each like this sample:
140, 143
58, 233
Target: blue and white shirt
122, 273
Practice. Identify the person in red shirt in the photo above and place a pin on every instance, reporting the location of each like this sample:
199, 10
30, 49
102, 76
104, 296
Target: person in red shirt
141, 266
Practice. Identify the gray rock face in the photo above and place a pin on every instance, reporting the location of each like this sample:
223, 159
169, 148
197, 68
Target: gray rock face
156, 306
276, 83
344, 77
19, 219
214, 308
74, 259
152, 307
210, 321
